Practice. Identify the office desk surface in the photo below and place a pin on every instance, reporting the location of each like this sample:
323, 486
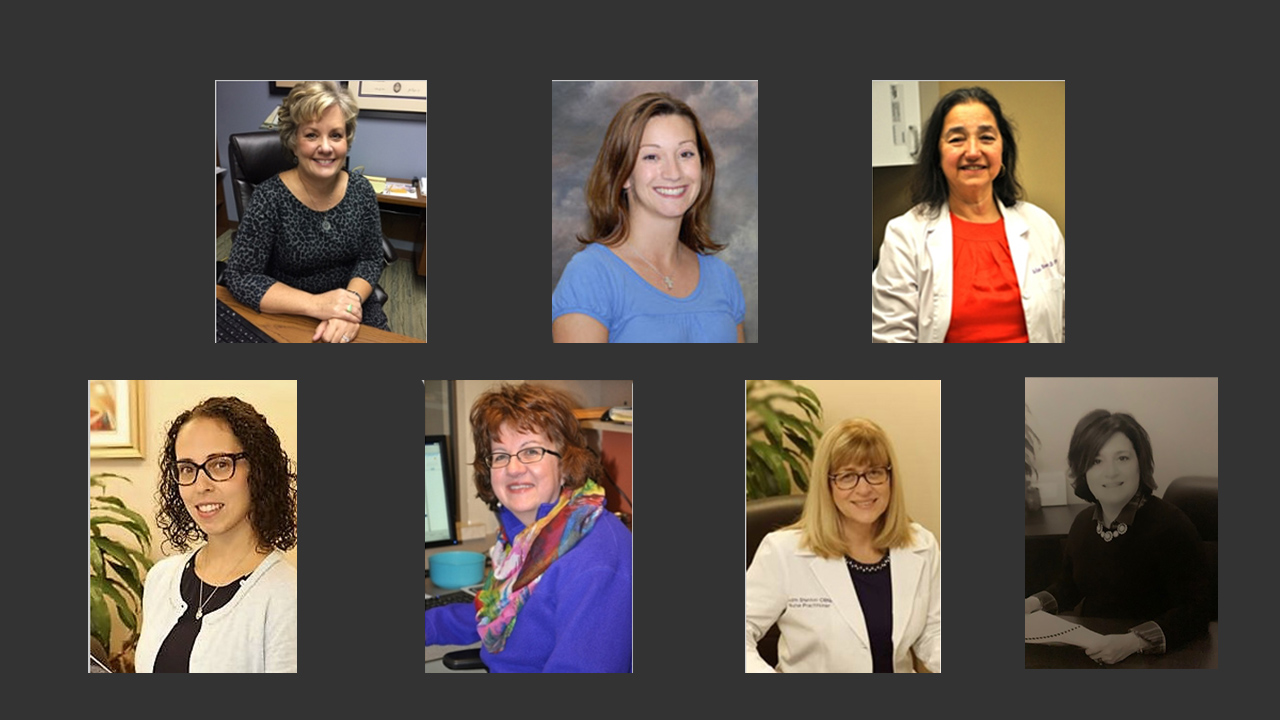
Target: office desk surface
420, 201
1052, 521
299, 329
1199, 653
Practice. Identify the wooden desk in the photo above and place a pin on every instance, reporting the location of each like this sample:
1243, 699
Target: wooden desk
299, 329
1201, 652
409, 227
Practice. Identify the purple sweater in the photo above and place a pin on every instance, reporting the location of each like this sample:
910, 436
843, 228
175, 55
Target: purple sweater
577, 620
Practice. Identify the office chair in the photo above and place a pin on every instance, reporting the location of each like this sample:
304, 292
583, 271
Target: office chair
1198, 498
259, 156
763, 517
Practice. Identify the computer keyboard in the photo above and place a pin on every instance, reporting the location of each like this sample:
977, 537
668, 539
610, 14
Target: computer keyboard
233, 328
450, 599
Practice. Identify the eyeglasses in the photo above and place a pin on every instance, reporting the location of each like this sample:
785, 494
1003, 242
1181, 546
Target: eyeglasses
527, 456
219, 468
849, 481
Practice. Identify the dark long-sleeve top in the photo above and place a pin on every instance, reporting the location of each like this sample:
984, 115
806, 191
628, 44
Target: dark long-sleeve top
1154, 572
282, 240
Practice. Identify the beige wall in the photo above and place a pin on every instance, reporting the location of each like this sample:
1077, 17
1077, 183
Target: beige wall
910, 411
162, 401
1038, 111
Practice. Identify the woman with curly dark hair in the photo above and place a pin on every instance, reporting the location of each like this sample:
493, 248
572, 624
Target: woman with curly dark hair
559, 596
230, 604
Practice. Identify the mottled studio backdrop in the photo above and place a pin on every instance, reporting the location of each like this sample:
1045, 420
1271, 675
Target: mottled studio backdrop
729, 111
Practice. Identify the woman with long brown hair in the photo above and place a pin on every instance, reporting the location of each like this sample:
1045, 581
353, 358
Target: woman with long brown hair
647, 274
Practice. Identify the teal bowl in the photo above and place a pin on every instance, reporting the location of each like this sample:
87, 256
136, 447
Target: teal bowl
453, 570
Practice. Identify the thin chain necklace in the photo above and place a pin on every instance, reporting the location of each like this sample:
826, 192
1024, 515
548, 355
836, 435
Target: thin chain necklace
665, 278
324, 214
216, 588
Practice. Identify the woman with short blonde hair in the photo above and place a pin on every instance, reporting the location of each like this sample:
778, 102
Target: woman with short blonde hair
854, 585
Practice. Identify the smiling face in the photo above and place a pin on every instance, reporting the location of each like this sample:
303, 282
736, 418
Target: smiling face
219, 508
865, 503
1113, 477
971, 148
519, 487
322, 145
668, 173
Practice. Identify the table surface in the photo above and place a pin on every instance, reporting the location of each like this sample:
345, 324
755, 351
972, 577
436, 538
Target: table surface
299, 329
1052, 521
1201, 652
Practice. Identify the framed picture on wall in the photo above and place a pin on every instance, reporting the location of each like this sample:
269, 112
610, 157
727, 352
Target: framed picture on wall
395, 95
115, 419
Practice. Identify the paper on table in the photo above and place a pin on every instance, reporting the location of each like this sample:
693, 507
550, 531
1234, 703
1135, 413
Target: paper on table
1045, 629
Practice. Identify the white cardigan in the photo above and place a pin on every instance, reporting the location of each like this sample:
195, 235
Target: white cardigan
256, 632
813, 601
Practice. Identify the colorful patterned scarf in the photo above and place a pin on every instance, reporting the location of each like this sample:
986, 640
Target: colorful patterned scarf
518, 565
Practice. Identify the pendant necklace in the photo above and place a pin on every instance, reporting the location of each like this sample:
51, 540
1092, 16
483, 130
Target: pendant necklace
324, 214
665, 278
216, 588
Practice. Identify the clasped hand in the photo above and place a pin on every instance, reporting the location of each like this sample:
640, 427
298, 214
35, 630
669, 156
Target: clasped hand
341, 304
1112, 649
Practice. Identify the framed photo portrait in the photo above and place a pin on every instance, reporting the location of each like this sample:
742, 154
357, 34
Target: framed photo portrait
115, 419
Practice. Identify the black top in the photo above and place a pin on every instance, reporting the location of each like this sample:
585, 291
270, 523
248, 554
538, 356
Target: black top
281, 239
1153, 571
175, 652
875, 594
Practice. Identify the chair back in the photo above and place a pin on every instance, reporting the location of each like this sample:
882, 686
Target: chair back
255, 158
768, 514
1198, 498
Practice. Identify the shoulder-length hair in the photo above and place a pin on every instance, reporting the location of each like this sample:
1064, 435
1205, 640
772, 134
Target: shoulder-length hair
929, 186
273, 481
606, 200
1092, 432
309, 100
857, 442
533, 409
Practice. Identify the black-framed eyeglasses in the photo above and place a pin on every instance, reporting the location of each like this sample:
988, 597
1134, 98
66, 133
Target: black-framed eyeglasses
850, 480
219, 468
527, 456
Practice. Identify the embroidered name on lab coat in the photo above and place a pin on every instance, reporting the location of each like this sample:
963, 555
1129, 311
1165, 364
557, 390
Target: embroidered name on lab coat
1045, 266
809, 602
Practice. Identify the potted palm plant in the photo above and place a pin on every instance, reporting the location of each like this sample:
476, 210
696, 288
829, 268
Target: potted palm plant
1029, 442
116, 568
780, 442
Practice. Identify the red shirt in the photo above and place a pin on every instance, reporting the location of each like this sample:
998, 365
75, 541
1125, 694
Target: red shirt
986, 305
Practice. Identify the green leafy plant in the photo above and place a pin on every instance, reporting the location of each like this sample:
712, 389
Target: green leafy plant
115, 567
1030, 440
779, 443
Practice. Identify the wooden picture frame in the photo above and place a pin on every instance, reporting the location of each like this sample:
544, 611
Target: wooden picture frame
115, 419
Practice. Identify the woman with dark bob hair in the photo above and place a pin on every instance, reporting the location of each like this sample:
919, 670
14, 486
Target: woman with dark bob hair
647, 274
1132, 555
972, 261
310, 242
230, 604
559, 596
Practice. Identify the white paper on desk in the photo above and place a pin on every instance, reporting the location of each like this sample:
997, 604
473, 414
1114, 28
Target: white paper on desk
1045, 629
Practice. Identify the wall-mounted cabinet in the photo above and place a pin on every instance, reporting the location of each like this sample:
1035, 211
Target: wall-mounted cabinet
899, 110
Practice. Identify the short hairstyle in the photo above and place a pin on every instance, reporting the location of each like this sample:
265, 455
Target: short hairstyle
1092, 432
530, 408
273, 482
606, 201
307, 102
851, 442
929, 185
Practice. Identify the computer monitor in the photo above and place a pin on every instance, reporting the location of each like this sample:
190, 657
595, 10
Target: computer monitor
440, 520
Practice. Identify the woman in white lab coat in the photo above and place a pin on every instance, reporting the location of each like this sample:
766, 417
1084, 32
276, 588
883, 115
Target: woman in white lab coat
854, 586
972, 261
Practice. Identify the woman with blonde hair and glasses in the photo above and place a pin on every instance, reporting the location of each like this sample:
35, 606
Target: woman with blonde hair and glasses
854, 584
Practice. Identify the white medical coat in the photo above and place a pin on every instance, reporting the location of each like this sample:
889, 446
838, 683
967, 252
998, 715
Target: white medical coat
813, 601
911, 289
